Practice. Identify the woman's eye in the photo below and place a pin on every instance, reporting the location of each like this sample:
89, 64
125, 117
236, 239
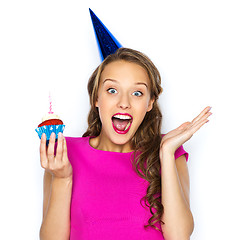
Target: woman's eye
137, 93
112, 90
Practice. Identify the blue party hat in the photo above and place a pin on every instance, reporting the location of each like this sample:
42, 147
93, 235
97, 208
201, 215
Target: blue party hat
107, 43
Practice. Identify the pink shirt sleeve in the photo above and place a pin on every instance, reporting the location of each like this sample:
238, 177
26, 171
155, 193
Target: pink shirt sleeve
180, 151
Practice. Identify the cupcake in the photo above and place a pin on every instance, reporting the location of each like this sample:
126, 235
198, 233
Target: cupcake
50, 123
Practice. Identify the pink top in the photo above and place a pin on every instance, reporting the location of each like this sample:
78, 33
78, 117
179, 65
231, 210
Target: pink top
106, 195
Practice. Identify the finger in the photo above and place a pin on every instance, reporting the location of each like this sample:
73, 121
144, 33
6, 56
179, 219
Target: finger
59, 152
199, 125
205, 111
50, 150
65, 157
206, 116
184, 125
43, 153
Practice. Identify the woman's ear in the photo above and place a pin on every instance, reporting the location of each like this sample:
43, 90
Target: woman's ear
96, 103
150, 104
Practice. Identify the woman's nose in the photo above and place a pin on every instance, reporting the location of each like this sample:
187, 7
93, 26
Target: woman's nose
124, 102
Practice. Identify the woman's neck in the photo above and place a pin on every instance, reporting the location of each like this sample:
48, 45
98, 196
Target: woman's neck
105, 144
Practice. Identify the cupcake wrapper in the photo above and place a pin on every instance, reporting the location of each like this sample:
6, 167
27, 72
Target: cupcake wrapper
48, 129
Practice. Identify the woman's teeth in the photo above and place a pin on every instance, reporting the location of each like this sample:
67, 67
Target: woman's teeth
123, 117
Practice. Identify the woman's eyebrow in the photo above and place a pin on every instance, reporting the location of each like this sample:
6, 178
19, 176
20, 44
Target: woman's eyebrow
113, 80
108, 79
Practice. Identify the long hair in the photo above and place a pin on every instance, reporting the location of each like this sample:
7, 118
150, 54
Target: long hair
146, 141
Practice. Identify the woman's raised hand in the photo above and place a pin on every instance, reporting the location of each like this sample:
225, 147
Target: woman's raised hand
58, 165
175, 138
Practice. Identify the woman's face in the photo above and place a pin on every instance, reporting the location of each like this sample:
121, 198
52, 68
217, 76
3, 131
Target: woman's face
123, 100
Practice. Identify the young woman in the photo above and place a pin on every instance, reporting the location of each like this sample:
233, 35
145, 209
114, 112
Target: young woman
123, 179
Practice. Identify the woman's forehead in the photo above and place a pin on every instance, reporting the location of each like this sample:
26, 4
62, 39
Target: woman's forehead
123, 70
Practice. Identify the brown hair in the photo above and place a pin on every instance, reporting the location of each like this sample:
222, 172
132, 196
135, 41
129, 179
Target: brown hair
148, 136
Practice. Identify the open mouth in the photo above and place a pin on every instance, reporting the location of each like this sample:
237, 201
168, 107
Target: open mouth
121, 122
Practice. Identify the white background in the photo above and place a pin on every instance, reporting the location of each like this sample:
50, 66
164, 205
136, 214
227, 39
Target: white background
50, 46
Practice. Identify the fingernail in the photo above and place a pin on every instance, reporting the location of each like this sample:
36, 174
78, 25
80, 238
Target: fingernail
60, 135
43, 136
52, 135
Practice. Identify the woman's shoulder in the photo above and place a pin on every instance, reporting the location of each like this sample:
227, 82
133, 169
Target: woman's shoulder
76, 149
76, 146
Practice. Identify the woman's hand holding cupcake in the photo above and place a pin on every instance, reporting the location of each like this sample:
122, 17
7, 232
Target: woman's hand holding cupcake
55, 162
